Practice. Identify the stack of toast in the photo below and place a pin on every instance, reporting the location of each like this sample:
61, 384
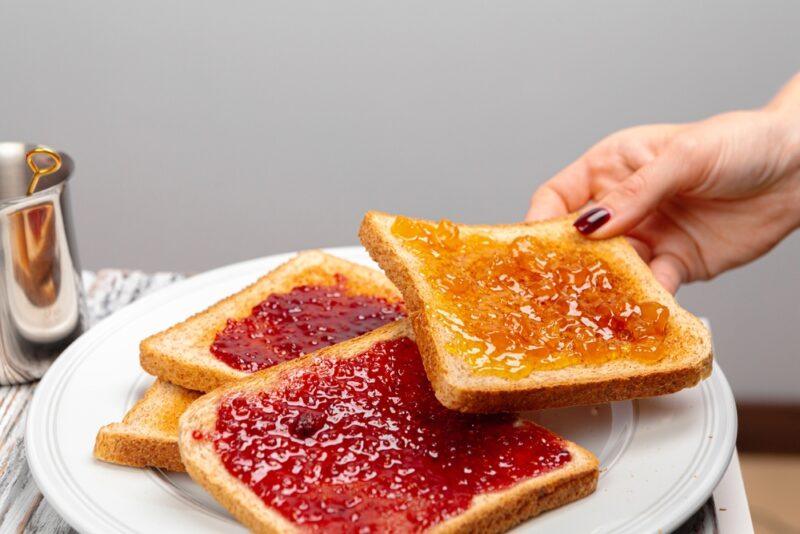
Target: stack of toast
185, 368
330, 396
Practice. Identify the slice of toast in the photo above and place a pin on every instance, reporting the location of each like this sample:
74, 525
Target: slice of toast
493, 511
181, 354
148, 434
687, 344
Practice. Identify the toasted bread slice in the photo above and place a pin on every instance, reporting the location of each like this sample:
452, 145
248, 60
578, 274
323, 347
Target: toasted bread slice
148, 434
487, 512
181, 353
687, 345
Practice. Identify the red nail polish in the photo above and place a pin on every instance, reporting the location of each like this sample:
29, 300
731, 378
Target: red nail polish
592, 220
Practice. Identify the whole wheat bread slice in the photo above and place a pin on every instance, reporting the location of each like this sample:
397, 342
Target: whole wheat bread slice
490, 512
148, 434
181, 353
687, 345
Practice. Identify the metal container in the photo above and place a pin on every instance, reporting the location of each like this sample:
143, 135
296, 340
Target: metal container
41, 295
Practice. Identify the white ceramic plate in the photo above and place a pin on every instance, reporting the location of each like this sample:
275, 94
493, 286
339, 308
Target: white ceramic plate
660, 458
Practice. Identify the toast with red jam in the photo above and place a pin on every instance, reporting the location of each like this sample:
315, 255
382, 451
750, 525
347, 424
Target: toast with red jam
309, 302
352, 439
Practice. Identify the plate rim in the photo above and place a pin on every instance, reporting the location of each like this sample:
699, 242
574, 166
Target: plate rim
718, 401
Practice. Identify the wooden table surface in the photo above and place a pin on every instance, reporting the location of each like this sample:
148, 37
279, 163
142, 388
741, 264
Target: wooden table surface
22, 506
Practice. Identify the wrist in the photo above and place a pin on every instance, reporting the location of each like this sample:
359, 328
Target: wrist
786, 125
792, 151
794, 199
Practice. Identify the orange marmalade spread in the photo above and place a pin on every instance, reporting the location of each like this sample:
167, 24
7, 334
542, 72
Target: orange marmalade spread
523, 306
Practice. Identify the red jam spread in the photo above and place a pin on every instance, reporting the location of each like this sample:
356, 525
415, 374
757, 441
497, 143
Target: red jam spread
362, 445
307, 318
526, 305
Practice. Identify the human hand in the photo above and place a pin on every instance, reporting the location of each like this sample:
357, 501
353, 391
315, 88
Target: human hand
694, 199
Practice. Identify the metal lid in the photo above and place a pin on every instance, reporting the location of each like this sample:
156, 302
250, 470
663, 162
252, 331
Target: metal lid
15, 174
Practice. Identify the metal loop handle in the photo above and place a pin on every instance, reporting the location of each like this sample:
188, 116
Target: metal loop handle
38, 172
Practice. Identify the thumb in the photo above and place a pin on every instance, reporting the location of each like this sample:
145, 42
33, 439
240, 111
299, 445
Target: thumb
633, 199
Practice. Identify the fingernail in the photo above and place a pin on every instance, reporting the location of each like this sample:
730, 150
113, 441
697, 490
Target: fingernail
592, 220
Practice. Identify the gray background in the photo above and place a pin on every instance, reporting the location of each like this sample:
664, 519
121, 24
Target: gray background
210, 132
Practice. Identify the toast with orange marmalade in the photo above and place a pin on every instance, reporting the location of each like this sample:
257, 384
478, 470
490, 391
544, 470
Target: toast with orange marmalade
529, 316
